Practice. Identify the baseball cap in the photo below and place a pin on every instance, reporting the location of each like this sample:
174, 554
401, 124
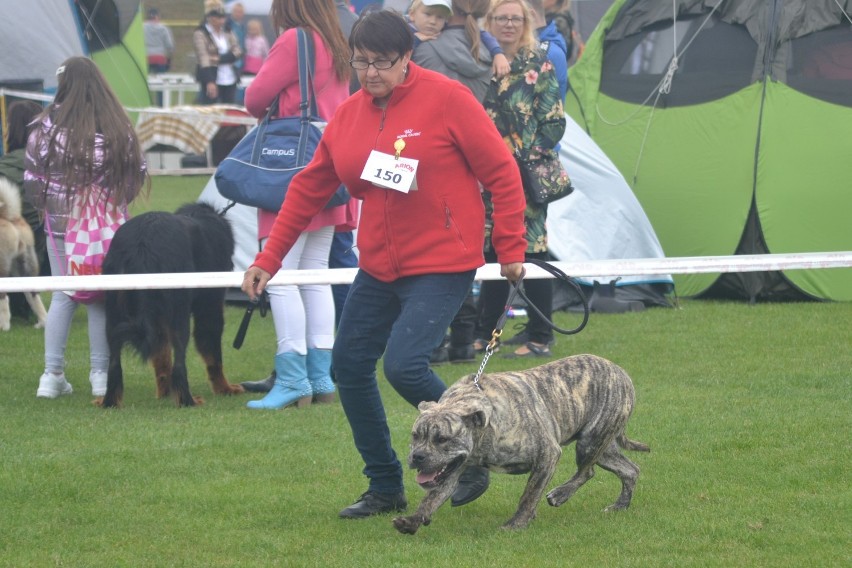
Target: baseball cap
214, 8
448, 4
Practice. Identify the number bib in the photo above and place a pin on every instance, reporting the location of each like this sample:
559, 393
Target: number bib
390, 172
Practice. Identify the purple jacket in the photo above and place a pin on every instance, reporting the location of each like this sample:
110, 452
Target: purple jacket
54, 203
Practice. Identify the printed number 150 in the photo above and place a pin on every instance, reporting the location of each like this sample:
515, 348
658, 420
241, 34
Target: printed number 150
386, 175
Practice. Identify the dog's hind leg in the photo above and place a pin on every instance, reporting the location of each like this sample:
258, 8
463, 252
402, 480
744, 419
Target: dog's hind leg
209, 323
5, 314
34, 300
162, 363
628, 472
589, 448
115, 374
180, 382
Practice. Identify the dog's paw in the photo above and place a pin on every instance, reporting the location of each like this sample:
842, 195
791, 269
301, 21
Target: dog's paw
102, 402
518, 522
406, 525
235, 389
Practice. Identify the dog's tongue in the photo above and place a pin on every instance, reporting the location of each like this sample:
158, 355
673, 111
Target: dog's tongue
426, 477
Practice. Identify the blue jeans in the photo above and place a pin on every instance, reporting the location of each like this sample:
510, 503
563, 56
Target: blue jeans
341, 255
403, 320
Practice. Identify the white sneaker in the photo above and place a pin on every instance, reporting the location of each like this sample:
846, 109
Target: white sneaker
52, 386
99, 382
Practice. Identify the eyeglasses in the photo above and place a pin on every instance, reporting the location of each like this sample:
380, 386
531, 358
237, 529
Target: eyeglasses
378, 64
514, 20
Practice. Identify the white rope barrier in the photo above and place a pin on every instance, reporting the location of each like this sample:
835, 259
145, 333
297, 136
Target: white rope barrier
638, 267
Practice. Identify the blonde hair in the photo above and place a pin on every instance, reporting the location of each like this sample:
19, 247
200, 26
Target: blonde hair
527, 39
419, 3
254, 25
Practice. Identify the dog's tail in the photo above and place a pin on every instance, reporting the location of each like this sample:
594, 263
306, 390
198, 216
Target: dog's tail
628, 444
139, 313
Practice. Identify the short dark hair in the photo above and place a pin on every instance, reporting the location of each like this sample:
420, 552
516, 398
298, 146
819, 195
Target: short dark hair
153, 13
383, 31
21, 113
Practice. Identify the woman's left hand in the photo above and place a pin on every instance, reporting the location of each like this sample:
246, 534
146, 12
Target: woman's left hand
512, 271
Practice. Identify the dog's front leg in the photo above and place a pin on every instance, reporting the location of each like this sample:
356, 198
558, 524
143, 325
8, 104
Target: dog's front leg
423, 516
540, 476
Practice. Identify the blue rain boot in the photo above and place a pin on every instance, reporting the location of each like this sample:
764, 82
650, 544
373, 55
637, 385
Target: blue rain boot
319, 367
291, 384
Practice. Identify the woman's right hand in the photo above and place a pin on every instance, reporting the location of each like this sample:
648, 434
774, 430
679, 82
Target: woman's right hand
254, 282
212, 91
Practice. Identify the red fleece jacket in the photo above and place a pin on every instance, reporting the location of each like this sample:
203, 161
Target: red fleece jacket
437, 228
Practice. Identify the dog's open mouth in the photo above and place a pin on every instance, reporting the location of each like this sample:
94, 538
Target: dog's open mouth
428, 480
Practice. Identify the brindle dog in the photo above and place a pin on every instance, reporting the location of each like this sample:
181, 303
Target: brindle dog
517, 424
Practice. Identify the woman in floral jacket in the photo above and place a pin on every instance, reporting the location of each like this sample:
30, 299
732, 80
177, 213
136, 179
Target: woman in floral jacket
525, 106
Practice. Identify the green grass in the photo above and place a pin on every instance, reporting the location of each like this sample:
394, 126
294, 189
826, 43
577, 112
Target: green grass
746, 409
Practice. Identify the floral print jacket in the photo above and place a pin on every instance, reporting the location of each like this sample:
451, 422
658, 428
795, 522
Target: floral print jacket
527, 110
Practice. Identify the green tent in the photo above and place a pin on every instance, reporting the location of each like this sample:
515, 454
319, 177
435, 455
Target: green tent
117, 44
731, 121
38, 35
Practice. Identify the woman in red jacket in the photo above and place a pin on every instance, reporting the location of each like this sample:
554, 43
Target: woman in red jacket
413, 145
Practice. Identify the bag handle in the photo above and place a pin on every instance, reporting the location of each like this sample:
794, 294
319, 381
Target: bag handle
306, 90
307, 104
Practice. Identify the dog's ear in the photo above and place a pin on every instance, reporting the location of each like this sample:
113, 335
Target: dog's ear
479, 419
426, 405
476, 412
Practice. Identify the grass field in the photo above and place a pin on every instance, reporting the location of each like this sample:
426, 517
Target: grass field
746, 409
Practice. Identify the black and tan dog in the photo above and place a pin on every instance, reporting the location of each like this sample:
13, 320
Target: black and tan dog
517, 423
156, 322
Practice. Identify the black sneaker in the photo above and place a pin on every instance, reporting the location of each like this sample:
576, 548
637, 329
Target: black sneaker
523, 337
519, 338
373, 503
263, 385
462, 354
473, 482
439, 356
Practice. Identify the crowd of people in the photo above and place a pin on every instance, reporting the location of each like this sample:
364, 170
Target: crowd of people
458, 88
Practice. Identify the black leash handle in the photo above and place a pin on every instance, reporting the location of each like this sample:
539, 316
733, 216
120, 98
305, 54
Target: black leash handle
241, 332
514, 290
565, 278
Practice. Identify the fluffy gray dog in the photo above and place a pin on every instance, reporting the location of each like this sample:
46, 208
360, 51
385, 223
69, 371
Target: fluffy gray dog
517, 423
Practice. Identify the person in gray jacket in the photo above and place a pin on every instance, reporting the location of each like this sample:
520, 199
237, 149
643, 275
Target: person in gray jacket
458, 52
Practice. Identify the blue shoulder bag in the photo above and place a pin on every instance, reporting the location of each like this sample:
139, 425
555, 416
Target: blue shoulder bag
259, 169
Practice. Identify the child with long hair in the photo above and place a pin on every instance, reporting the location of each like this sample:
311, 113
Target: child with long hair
303, 315
82, 147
